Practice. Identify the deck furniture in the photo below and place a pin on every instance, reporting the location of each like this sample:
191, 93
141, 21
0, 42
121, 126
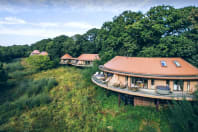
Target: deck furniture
163, 90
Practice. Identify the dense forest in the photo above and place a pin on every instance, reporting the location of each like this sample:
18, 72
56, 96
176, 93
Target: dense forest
163, 31
38, 95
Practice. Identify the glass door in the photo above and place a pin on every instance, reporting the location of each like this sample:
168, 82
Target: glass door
178, 85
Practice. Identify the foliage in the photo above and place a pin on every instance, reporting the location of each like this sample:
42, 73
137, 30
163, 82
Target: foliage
40, 62
28, 94
163, 31
75, 104
15, 51
183, 115
13, 65
3, 76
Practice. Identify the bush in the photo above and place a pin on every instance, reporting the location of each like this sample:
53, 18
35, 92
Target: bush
43, 85
14, 66
40, 62
3, 77
29, 94
22, 87
21, 103
183, 116
40, 100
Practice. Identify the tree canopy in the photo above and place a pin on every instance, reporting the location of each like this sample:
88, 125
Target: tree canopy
3, 76
39, 62
163, 31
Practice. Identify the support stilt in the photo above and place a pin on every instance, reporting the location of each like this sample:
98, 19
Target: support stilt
119, 99
126, 99
157, 104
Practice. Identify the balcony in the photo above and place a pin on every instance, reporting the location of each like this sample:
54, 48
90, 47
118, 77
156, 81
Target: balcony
148, 93
80, 64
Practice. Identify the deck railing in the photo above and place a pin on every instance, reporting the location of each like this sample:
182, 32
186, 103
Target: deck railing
143, 92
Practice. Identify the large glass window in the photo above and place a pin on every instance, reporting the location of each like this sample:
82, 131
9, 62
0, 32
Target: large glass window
167, 82
139, 82
178, 85
87, 62
152, 82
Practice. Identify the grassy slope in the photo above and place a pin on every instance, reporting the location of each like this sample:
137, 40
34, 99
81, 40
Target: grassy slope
79, 105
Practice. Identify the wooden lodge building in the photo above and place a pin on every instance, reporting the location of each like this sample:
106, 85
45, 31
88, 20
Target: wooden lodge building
148, 81
85, 60
44, 53
66, 59
37, 52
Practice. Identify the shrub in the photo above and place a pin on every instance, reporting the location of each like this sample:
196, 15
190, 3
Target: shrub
40, 62
40, 99
14, 66
22, 87
3, 77
39, 86
21, 103
183, 116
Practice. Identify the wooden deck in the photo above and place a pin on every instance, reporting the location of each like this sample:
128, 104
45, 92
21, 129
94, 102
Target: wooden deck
81, 65
145, 92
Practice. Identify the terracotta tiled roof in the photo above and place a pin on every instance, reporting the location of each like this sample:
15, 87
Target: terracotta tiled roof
66, 56
43, 53
89, 57
36, 52
153, 66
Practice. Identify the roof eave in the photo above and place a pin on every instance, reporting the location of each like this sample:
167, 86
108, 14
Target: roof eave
174, 77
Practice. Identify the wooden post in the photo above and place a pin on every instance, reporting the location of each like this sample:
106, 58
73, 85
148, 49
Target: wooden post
157, 104
119, 99
126, 99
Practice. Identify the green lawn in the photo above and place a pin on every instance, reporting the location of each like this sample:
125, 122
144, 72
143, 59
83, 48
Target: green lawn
76, 104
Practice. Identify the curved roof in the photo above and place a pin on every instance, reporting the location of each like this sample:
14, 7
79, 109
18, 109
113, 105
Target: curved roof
44, 53
66, 56
151, 66
88, 57
36, 52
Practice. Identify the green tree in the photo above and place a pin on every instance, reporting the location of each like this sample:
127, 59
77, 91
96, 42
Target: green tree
39, 62
3, 76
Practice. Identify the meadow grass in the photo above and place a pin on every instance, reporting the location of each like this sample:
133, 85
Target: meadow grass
76, 104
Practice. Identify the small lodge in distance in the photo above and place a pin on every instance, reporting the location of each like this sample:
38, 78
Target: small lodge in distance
84, 60
66, 59
37, 52
148, 81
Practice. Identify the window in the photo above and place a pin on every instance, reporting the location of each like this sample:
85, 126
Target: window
188, 86
152, 82
177, 64
178, 85
139, 82
145, 81
126, 81
87, 62
167, 82
163, 63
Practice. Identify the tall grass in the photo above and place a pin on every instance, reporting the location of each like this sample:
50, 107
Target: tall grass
28, 94
14, 66
16, 70
76, 104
